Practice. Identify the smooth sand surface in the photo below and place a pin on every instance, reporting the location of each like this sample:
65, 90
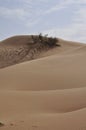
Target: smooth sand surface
47, 93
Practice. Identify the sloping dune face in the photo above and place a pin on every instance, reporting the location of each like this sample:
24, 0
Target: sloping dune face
18, 49
46, 93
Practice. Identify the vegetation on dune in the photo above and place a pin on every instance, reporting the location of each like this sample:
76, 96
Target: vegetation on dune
44, 40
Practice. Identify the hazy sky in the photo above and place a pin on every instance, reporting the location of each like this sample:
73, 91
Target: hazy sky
61, 18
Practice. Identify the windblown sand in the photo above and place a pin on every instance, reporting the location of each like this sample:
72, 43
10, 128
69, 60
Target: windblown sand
47, 93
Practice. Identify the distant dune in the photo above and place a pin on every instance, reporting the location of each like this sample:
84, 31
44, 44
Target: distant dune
23, 48
42, 84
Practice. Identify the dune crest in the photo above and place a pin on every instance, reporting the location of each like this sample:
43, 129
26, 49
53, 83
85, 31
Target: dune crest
18, 49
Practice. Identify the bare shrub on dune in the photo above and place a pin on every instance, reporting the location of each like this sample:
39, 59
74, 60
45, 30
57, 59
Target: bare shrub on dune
46, 41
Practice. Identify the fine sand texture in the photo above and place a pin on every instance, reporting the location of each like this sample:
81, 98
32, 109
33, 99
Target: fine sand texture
42, 84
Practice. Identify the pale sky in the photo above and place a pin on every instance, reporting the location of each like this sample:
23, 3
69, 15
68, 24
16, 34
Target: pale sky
59, 18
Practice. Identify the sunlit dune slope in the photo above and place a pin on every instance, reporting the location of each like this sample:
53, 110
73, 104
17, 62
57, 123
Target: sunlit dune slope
45, 88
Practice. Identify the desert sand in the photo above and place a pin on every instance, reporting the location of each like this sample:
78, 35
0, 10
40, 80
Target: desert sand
44, 89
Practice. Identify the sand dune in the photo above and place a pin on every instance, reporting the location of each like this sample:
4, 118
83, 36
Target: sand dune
48, 92
18, 49
50, 73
